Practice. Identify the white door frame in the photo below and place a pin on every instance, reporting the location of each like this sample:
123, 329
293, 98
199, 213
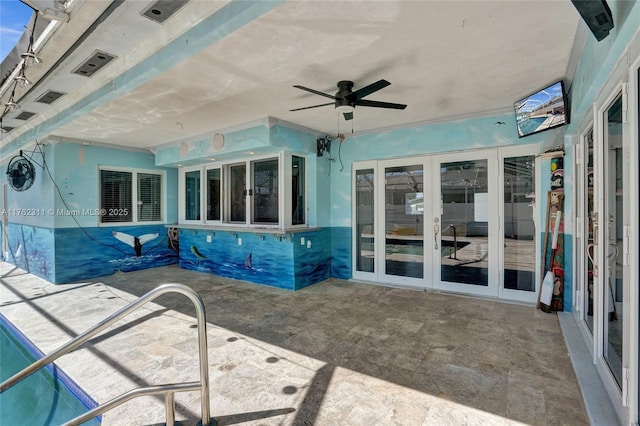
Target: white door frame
520, 151
493, 227
432, 209
381, 223
625, 400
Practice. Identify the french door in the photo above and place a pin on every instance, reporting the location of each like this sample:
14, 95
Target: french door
607, 297
464, 218
460, 222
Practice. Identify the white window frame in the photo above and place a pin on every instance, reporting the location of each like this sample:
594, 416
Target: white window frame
284, 192
181, 202
134, 195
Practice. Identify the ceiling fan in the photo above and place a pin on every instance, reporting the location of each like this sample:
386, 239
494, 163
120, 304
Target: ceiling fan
345, 100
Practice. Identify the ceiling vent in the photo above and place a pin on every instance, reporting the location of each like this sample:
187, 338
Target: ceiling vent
49, 97
94, 63
7, 129
162, 10
25, 115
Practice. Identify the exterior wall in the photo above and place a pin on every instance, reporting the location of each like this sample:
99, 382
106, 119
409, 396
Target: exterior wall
312, 262
597, 60
277, 260
62, 241
461, 135
259, 258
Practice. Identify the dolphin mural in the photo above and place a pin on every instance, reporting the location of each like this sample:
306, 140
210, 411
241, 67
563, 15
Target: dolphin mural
135, 242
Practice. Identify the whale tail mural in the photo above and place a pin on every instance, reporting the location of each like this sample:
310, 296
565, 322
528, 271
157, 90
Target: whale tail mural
135, 242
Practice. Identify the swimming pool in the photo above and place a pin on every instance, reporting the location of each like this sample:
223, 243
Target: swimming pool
47, 397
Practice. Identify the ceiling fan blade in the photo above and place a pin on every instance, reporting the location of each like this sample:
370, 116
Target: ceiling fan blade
367, 90
348, 115
326, 95
313, 106
378, 104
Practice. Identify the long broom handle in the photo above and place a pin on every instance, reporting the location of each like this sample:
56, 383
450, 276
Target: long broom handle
544, 247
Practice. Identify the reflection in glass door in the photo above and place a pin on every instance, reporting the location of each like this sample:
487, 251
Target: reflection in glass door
590, 219
611, 265
519, 194
464, 241
403, 221
364, 221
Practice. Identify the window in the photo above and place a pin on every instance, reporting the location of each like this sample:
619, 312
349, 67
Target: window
265, 191
192, 195
298, 185
248, 193
118, 189
238, 178
214, 193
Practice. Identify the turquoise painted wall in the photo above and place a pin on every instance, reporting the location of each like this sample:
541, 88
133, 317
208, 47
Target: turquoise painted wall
596, 63
76, 174
598, 59
33, 206
50, 243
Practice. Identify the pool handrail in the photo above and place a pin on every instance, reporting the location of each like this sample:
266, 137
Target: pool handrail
168, 389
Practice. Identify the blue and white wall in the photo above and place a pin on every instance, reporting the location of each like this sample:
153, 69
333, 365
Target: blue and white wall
278, 260
461, 135
51, 230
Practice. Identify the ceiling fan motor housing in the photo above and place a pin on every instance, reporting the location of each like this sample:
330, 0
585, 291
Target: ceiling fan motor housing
343, 96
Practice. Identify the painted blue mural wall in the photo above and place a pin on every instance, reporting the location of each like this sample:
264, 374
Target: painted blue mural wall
341, 252
32, 249
94, 252
259, 258
59, 237
312, 256
276, 260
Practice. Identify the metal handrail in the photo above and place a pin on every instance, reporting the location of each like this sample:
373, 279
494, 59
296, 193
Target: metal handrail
168, 390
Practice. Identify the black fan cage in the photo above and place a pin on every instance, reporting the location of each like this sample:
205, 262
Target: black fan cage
20, 173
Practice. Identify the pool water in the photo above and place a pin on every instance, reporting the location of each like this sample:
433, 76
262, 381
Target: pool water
47, 397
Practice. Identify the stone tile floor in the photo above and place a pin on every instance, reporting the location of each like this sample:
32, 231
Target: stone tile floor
335, 353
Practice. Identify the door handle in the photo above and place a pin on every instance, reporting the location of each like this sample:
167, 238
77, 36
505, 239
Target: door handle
436, 231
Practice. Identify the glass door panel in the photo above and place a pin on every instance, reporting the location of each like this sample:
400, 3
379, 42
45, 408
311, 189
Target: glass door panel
519, 228
364, 220
464, 219
590, 218
403, 223
612, 267
238, 185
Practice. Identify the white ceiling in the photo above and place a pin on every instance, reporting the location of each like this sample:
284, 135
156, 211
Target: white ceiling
444, 59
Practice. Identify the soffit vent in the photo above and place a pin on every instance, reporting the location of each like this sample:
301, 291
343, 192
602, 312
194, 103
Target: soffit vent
25, 115
49, 97
7, 129
162, 10
92, 65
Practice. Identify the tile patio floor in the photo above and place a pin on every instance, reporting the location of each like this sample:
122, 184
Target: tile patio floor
334, 353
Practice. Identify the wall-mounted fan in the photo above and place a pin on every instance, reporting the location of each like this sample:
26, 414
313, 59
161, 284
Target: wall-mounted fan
345, 100
20, 173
